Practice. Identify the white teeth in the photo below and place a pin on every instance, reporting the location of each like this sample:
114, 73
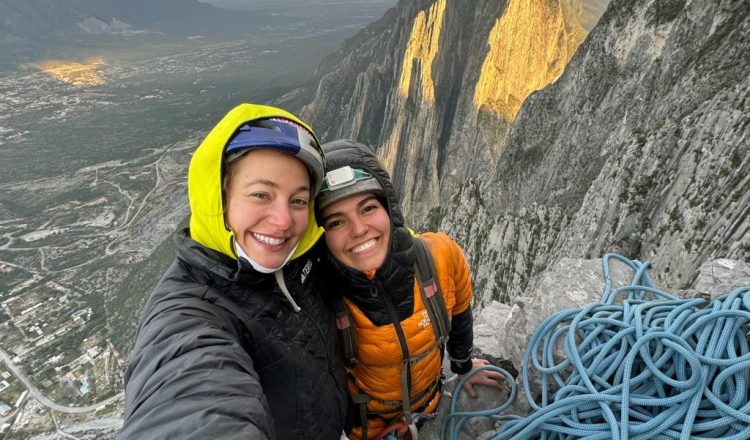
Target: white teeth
364, 246
269, 240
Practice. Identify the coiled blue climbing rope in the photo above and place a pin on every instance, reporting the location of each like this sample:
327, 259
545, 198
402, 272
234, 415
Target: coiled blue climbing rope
640, 364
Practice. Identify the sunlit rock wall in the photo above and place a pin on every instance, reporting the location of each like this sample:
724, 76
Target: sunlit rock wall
436, 81
530, 45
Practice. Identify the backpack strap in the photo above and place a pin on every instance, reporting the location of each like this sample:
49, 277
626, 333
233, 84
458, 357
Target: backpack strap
432, 295
347, 332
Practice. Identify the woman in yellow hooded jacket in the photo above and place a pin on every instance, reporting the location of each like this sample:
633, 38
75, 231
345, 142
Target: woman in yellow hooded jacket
236, 341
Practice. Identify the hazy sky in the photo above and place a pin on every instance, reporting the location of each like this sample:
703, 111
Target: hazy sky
245, 3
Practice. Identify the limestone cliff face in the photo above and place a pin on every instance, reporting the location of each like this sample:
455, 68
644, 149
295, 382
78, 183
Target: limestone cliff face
436, 81
524, 58
421, 49
529, 45
639, 146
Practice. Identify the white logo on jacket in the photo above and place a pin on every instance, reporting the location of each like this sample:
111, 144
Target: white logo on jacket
306, 270
425, 321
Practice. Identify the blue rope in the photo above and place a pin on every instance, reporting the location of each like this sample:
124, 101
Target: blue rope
451, 424
640, 364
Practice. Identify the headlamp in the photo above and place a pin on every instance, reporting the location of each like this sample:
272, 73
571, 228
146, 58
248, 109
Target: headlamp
343, 177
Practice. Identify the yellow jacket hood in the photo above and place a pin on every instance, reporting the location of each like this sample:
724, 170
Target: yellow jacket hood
207, 225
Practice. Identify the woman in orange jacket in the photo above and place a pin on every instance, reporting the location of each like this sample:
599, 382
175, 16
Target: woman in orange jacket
397, 370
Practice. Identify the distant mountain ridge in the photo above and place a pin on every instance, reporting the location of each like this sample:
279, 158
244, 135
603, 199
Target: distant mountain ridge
47, 19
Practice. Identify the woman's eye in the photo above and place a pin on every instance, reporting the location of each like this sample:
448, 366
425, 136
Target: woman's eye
260, 195
333, 224
300, 202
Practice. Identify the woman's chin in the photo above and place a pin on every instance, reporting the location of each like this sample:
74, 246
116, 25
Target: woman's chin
270, 259
366, 264
276, 260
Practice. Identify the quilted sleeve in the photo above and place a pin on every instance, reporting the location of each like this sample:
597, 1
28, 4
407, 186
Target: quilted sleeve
190, 378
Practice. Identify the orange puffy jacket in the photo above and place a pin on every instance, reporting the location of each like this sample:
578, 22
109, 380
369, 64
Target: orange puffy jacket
378, 373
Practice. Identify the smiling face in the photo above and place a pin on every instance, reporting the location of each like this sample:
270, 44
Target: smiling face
358, 231
267, 194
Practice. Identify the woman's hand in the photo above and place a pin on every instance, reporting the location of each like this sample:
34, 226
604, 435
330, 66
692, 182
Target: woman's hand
485, 377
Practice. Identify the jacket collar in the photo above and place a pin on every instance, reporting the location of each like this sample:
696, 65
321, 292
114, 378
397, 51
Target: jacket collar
222, 269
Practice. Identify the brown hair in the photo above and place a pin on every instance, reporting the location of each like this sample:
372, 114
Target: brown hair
229, 167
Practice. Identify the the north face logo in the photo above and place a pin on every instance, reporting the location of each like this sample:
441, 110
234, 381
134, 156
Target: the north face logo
425, 321
306, 270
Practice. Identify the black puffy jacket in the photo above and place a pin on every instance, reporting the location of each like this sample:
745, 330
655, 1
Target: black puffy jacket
221, 354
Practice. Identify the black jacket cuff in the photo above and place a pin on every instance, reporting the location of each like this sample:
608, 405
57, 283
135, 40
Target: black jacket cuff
461, 367
461, 342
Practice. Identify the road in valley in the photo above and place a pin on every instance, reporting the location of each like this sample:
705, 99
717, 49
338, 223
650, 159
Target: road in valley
46, 401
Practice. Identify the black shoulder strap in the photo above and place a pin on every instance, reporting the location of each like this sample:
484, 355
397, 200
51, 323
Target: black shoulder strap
432, 296
346, 331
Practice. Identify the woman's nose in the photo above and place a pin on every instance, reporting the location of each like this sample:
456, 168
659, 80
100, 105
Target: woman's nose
281, 216
359, 227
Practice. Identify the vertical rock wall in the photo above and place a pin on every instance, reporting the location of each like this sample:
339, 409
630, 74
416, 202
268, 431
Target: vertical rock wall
638, 146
